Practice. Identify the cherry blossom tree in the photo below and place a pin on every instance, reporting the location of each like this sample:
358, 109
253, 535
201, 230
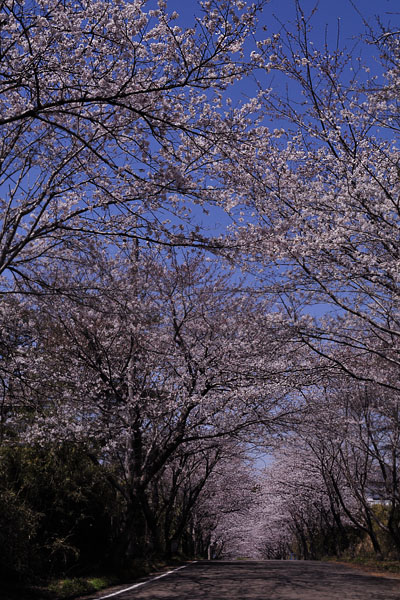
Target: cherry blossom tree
176, 493
316, 199
158, 357
353, 432
16, 337
110, 115
333, 482
283, 511
317, 219
297, 515
223, 520
117, 124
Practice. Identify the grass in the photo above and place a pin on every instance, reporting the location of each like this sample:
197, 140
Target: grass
62, 589
372, 565
67, 588
58, 589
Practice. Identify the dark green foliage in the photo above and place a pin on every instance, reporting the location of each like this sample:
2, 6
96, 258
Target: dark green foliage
59, 516
55, 511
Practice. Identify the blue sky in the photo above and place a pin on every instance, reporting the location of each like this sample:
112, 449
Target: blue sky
350, 14
349, 17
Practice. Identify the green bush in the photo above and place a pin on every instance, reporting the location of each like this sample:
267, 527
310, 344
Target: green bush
55, 512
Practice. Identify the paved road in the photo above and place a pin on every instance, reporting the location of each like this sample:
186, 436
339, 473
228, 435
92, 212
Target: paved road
269, 580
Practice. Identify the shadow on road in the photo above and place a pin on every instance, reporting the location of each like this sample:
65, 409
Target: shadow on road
268, 580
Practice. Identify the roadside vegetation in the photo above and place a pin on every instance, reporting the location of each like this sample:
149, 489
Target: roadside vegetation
371, 564
59, 527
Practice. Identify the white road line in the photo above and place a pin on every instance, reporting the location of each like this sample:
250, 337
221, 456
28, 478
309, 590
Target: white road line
132, 587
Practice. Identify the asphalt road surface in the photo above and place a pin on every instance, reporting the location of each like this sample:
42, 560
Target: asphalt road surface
268, 580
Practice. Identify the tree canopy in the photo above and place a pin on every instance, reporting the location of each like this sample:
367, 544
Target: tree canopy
145, 348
